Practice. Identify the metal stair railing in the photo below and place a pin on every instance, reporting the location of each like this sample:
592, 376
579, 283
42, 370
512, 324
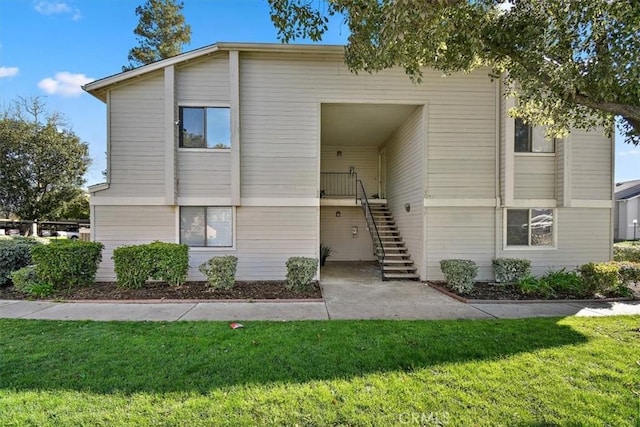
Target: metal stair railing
338, 184
361, 195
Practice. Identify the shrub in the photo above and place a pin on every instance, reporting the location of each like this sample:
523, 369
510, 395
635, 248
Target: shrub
26, 280
300, 273
566, 282
628, 273
531, 285
134, 265
600, 277
459, 273
14, 254
626, 252
511, 270
220, 271
70, 263
325, 252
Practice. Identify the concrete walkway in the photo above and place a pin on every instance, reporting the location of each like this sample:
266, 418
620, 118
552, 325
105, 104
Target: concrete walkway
350, 292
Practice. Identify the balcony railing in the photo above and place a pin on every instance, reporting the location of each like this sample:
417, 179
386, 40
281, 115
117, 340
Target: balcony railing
338, 184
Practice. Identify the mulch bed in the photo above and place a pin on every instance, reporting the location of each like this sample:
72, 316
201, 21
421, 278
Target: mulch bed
499, 292
251, 291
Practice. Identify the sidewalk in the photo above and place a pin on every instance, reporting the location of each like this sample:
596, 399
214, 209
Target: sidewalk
342, 300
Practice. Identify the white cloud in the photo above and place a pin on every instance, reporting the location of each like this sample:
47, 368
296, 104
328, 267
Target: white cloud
629, 153
9, 71
54, 8
65, 84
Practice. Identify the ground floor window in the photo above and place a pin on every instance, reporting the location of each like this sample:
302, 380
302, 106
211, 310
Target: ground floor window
530, 227
206, 226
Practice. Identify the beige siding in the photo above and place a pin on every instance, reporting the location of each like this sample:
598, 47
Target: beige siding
460, 232
336, 232
265, 238
560, 178
535, 177
281, 96
116, 226
363, 159
503, 141
583, 235
136, 113
462, 145
204, 174
405, 182
591, 166
204, 82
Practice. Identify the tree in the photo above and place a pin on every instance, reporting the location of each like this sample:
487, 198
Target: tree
77, 208
42, 162
161, 32
568, 63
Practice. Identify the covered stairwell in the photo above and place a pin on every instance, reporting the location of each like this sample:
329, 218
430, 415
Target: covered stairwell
393, 257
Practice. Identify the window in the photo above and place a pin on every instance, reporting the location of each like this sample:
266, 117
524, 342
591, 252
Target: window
531, 140
205, 127
206, 226
530, 227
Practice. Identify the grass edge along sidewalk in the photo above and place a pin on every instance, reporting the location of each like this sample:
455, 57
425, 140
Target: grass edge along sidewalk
544, 371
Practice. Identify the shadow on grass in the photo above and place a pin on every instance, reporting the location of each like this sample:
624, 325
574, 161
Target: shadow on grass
131, 357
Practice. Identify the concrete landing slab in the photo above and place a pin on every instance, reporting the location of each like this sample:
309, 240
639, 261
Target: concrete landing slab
257, 311
112, 311
356, 291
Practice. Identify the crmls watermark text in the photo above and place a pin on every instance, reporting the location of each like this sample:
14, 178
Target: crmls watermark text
424, 418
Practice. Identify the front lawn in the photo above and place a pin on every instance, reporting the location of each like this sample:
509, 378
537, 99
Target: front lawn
571, 371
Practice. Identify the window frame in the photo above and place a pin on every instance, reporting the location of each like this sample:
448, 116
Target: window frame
204, 106
207, 248
529, 247
531, 153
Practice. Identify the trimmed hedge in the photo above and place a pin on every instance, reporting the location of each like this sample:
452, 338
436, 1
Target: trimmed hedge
511, 270
71, 263
460, 274
300, 273
220, 271
134, 265
629, 252
15, 253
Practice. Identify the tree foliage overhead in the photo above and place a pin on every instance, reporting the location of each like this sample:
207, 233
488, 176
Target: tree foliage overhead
161, 32
576, 63
42, 163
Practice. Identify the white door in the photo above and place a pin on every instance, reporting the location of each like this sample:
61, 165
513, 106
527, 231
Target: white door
382, 173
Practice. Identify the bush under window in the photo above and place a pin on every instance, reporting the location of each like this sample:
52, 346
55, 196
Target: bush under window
460, 274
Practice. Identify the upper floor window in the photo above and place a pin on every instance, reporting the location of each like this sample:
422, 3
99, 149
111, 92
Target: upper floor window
530, 227
531, 140
205, 127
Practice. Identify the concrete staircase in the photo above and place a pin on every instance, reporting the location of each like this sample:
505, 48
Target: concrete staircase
396, 263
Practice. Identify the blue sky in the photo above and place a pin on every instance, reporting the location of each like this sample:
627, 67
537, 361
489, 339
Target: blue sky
50, 48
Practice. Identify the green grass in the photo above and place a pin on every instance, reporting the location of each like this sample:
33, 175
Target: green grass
531, 372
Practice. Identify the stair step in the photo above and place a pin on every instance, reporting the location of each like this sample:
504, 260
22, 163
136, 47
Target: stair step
398, 268
401, 276
397, 261
388, 249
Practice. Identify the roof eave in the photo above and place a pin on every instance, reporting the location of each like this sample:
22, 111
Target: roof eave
96, 88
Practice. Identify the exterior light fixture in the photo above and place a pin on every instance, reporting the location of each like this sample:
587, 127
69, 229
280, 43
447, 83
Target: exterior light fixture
337, 214
407, 207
